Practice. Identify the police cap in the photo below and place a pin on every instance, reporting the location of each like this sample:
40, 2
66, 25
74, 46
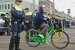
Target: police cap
7, 13
18, 0
26, 9
44, 12
49, 14
36, 10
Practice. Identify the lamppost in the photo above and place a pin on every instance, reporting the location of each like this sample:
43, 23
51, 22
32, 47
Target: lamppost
53, 7
33, 5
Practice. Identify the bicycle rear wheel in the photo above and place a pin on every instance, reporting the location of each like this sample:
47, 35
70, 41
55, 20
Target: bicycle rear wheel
29, 36
63, 40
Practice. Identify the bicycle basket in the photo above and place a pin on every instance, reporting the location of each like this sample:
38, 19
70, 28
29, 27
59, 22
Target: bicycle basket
58, 25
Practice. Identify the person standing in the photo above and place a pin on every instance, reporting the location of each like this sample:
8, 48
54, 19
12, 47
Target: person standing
35, 12
45, 16
28, 21
17, 17
7, 21
50, 19
67, 22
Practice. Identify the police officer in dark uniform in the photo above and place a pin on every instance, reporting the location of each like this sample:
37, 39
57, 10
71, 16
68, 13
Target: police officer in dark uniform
64, 22
53, 18
7, 21
17, 17
35, 12
67, 22
45, 16
50, 19
28, 20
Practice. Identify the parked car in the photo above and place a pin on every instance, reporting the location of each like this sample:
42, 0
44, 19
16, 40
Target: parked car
3, 29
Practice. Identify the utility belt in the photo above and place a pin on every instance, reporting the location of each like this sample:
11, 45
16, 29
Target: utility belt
17, 21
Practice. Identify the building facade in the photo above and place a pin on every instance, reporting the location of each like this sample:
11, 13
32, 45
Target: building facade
6, 5
48, 4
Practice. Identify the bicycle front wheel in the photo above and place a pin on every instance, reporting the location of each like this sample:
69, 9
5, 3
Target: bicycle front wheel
28, 37
61, 41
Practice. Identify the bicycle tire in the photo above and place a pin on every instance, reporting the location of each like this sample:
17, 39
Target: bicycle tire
67, 42
31, 45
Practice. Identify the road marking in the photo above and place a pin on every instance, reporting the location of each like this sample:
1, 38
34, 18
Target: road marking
71, 40
8, 42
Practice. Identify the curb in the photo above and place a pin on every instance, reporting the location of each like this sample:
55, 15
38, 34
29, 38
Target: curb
3, 49
72, 42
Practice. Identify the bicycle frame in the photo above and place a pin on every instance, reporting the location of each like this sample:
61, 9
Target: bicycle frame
56, 33
48, 32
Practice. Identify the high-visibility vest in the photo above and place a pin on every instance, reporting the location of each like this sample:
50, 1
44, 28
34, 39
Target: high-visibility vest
49, 17
18, 7
7, 16
45, 15
56, 17
67, 20
28, 13
34, 14
61, 18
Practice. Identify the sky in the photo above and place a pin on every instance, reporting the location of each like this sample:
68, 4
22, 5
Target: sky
63, 5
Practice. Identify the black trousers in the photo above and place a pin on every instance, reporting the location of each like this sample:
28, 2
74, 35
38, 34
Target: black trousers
15, 38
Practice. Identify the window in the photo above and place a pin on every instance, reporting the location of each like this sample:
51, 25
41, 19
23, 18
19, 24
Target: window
8, 6
9, 0
11, 5
6, 0
2, 6
5, 6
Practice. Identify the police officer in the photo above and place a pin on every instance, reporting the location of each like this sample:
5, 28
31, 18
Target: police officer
50, 19
7, 21
17, 16
67, 22
45, 16
56, 18
64, 22
28, 20
35, 12
53, 18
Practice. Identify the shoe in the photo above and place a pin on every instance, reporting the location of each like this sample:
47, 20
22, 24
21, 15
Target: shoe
17, 48
41, 35
47, 43
10, 49
8, 34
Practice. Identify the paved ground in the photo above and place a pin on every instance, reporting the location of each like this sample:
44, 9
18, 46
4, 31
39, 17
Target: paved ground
4, 42
72, 27
24, 46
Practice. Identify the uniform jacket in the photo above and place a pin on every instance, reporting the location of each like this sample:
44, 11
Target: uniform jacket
17, 15
28, 16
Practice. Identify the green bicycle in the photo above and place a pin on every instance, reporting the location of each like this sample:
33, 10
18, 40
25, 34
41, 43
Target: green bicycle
59, 38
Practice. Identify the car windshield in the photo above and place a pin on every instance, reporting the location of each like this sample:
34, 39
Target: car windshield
2, 16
